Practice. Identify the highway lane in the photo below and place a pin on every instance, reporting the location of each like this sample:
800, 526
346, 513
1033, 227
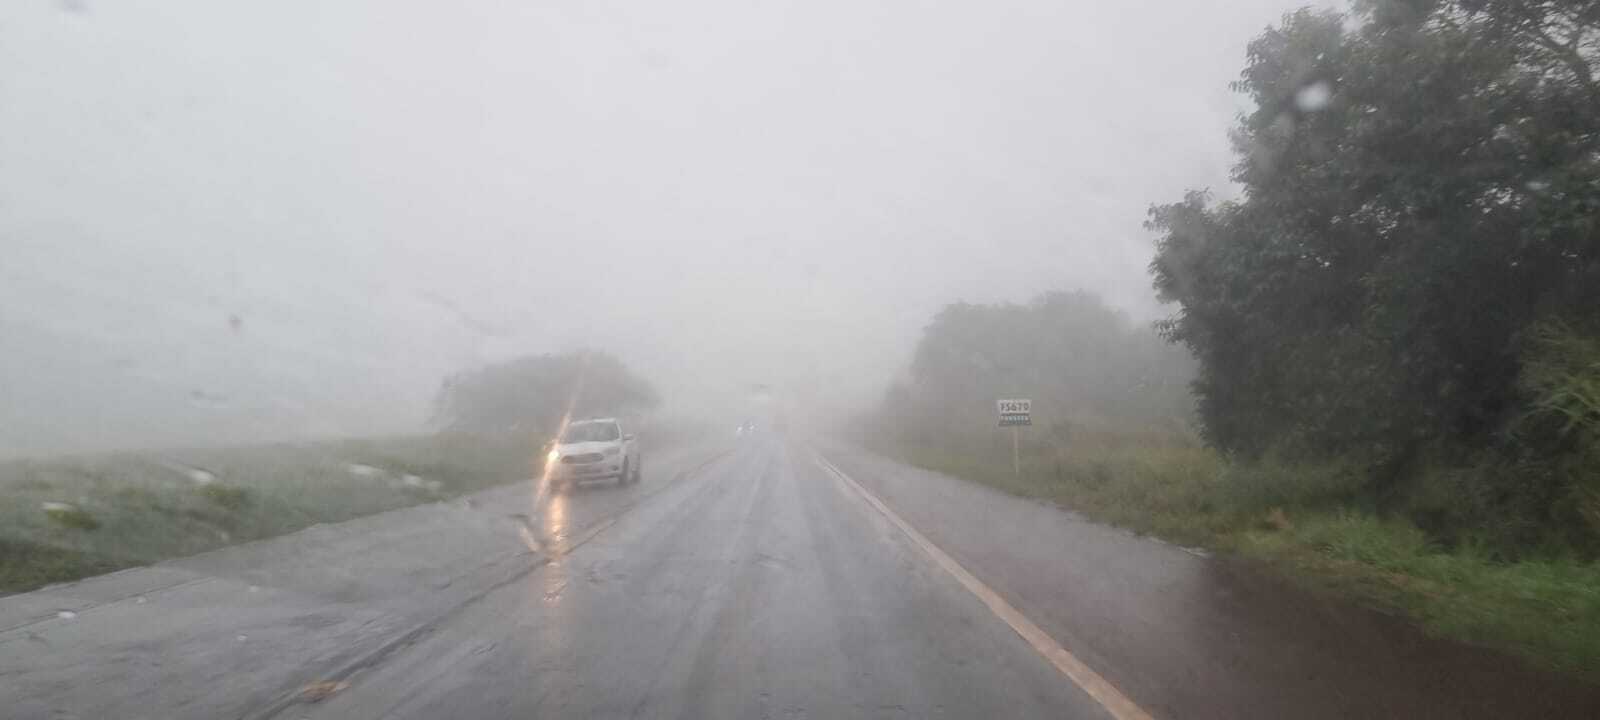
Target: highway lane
760, 587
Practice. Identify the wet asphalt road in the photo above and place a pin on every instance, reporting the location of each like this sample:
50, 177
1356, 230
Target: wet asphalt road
743, 581
757, 588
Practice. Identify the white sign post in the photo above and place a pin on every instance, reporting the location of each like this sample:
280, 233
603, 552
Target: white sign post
1014, 413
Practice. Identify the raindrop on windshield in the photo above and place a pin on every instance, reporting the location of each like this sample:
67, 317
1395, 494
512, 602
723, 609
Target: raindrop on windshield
1313, 97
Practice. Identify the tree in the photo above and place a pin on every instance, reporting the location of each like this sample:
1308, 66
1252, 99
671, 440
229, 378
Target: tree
1421, 186
535, 393
1081, 361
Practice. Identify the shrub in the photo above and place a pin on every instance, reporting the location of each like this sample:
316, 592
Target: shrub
70, 516
1556, 442
227, 497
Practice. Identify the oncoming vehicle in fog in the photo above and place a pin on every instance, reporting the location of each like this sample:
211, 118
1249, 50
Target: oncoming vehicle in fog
594, 449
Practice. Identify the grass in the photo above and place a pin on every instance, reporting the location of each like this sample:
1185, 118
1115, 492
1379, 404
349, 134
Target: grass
27, 565
1311, 524
71, 517
1545, 610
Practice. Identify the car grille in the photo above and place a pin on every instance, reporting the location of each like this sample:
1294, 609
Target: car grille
583, 458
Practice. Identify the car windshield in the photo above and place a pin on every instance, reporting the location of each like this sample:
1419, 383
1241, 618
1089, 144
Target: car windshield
590, 432
1172, 359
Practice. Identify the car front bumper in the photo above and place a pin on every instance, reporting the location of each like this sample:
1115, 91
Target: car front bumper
587, 471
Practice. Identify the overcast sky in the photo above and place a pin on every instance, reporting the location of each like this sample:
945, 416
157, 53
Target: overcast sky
226, 221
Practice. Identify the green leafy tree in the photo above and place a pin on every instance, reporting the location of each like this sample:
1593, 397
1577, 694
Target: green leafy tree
1421, 186
534, 393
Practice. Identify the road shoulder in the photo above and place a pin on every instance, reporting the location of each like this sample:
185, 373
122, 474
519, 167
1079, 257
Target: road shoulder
1188, 636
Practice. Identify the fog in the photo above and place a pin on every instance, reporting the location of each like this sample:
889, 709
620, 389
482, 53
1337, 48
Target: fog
228, 222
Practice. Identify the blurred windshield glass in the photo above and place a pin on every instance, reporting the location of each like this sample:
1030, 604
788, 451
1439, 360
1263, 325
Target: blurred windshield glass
298, 298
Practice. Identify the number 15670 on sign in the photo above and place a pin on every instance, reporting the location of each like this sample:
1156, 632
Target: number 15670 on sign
1018, 411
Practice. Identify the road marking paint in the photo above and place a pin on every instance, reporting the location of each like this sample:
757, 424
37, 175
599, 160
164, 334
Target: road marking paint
1068, 664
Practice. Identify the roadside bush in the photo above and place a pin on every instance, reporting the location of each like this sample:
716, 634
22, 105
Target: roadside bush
28, 564
1561, 375
227, 497
1367, 539
1559, 435
72, 517
1256, 487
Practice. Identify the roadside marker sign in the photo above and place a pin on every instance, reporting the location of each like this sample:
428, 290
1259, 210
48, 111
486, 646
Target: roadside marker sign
1016, 411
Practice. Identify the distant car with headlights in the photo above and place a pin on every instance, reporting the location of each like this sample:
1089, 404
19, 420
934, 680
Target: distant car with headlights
595, 449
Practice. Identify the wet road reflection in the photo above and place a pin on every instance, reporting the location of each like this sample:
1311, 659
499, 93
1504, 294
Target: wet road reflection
555, 521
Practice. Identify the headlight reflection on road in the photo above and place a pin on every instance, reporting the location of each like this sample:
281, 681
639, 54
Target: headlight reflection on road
553, 577
546, 532
550, 509
555, 529
555, 519
547, 515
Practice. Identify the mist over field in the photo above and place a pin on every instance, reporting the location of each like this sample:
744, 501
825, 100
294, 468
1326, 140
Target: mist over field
227, 223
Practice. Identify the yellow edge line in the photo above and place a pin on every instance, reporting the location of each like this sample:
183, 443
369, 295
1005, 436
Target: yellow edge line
1085, 677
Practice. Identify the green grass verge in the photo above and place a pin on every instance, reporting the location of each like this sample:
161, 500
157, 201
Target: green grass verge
1309, 523
71, 517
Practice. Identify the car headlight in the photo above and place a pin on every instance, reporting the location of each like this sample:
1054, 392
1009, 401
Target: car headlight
612, 451
553, 456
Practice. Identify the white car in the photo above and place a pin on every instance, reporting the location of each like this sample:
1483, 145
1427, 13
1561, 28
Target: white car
594, 449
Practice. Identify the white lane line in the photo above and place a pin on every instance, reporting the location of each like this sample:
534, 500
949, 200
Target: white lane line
1084, 676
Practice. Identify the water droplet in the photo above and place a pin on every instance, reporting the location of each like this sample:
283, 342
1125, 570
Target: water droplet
1313, 97
1538, 185
66, 614
242, 638
141, 600
201, 477
49, 506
